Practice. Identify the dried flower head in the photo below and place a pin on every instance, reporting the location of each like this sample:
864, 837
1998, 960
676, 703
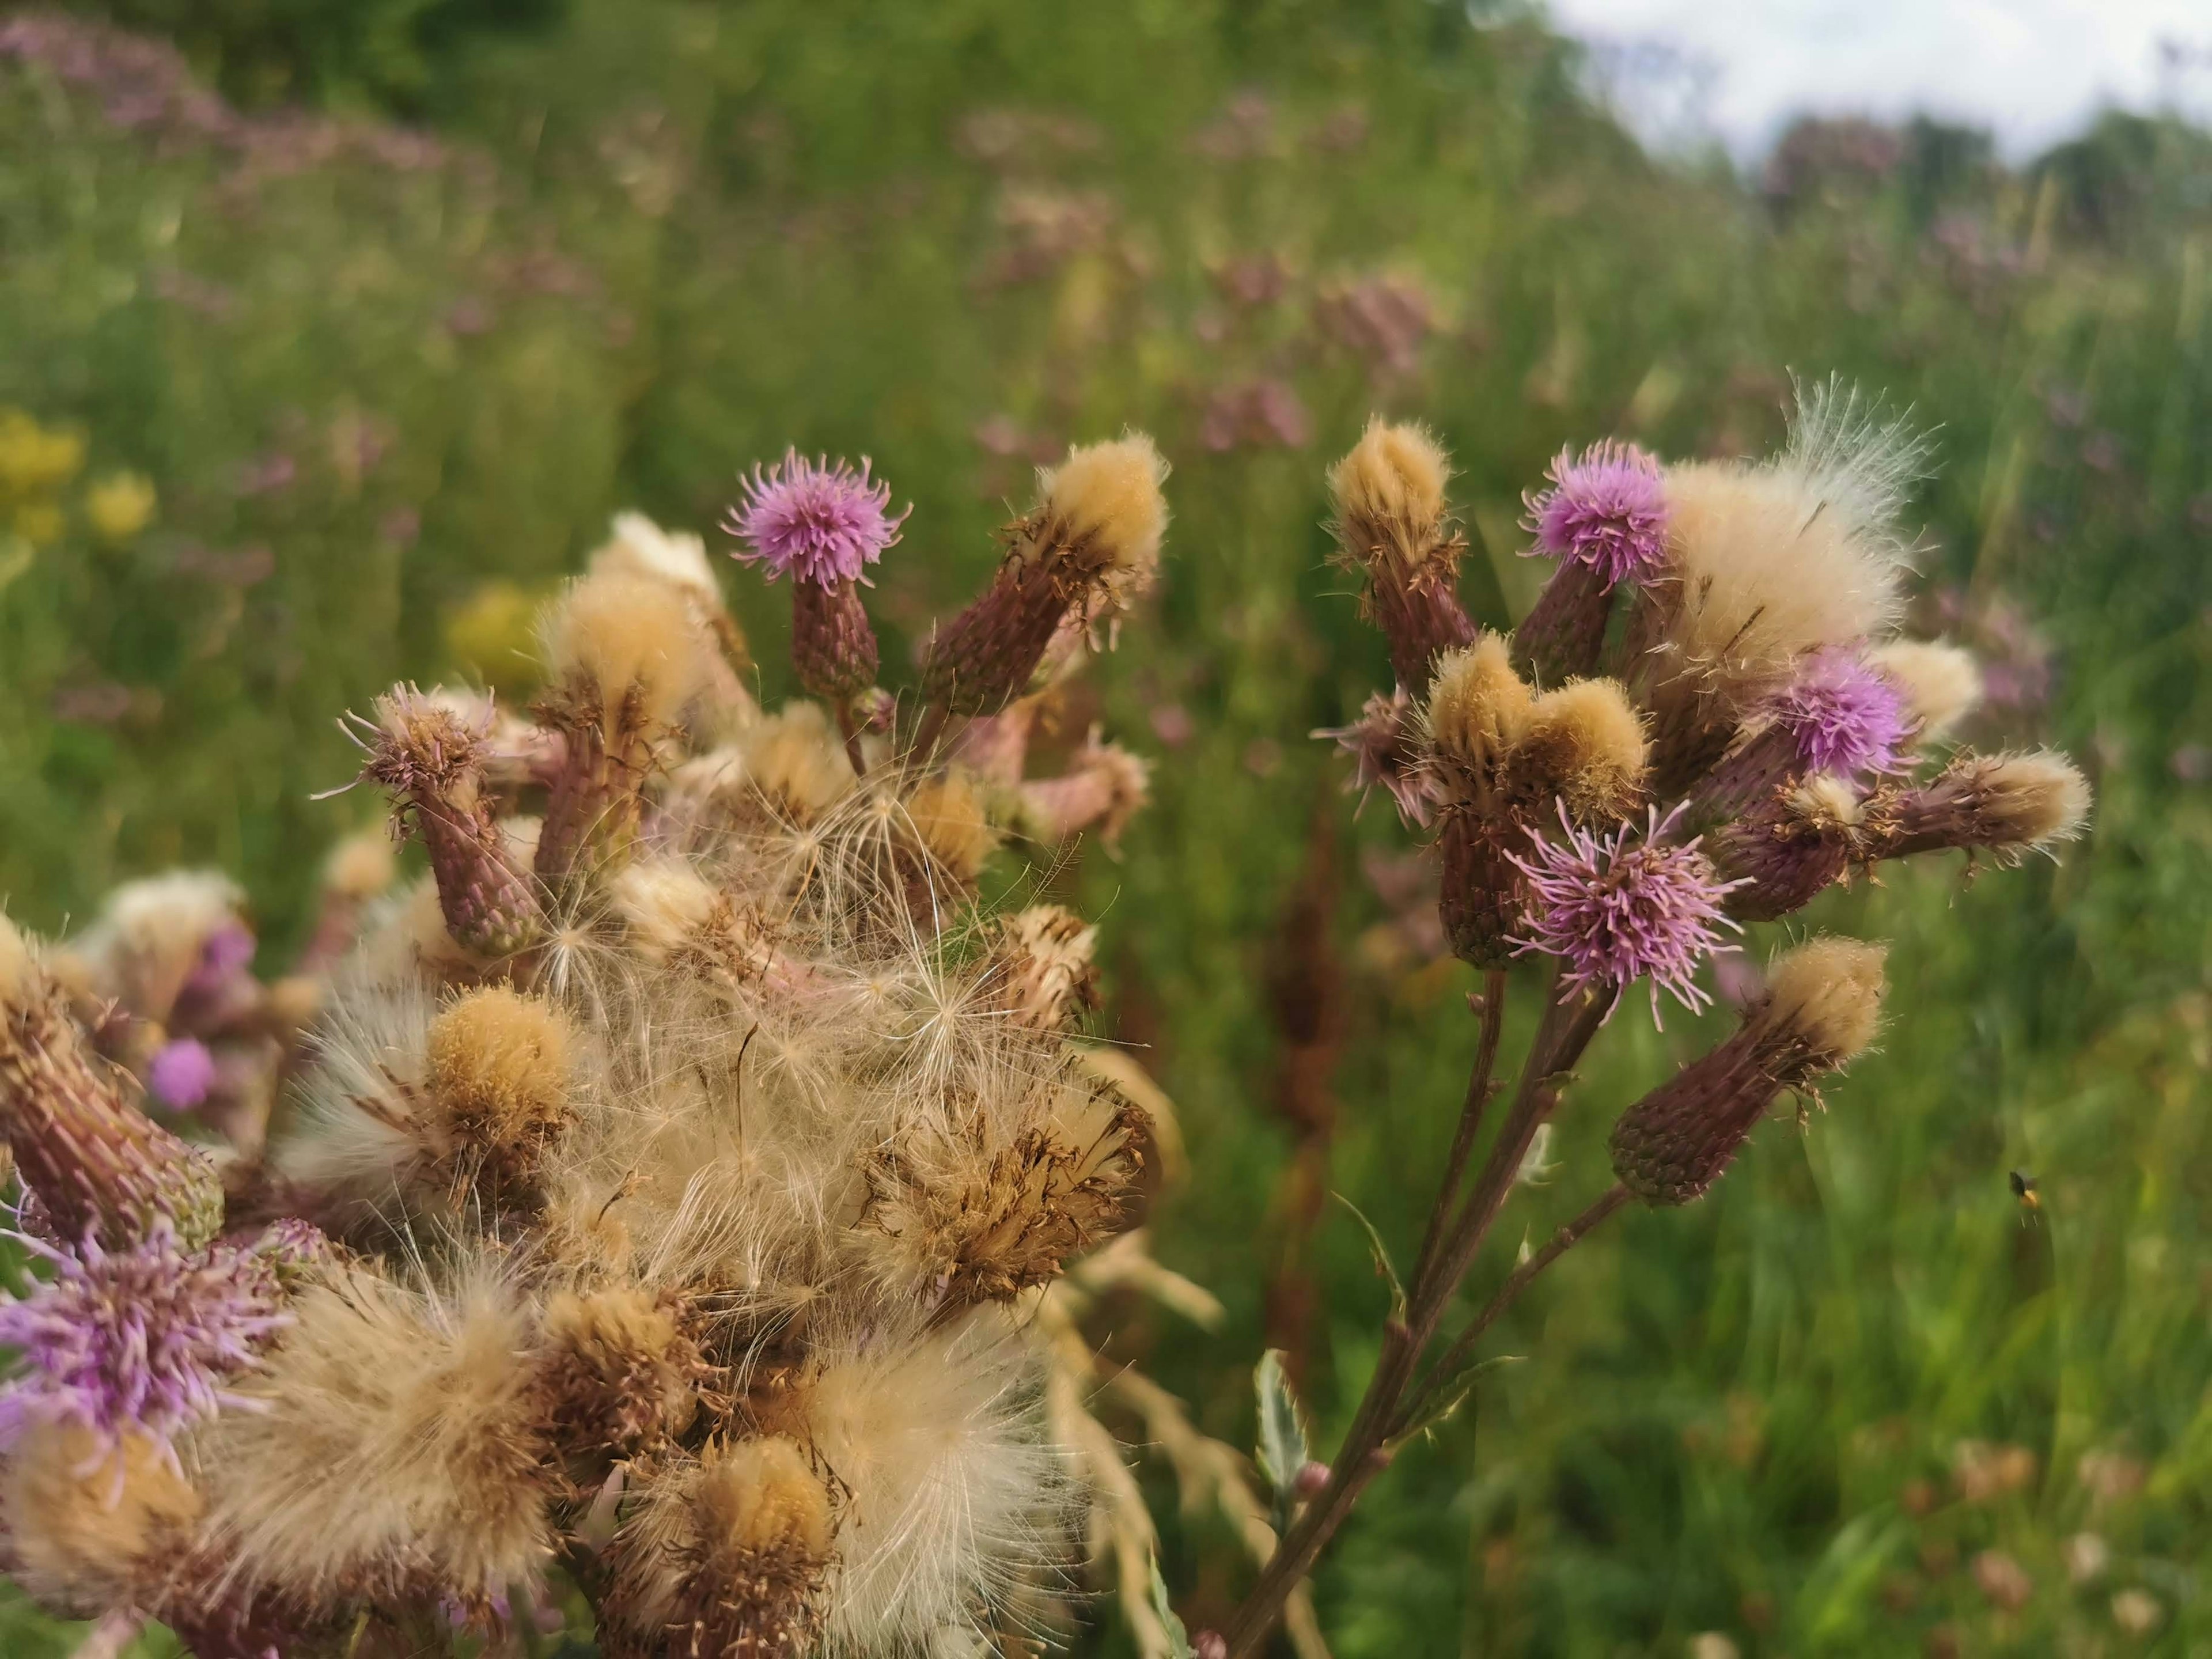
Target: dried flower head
1940, 683
2007, 803
1844, 717
1585, 745
144, 1340
1384, 746
1478, 711
1390, 527
1605, 509
1630, 905
824, 523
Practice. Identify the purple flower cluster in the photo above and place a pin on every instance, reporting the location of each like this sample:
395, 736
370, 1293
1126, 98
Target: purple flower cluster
143, 1339
1630, 905
1607, 510
1845, 717
824, 523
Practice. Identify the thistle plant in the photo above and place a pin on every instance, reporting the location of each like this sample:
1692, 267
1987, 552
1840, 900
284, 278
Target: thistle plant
662, 1227
1706, 721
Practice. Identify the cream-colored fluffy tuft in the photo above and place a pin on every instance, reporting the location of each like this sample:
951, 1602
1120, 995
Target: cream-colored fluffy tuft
1825, 800
20, 978
1585, 743
148, 939
498, 1069
639, 547
1110, 494
634, 641
86, 1527
950, 821
1394, 477
952, 1496
1941, 683
796, 761
761, 1495
361, 867
1479, 710
1827, 994
2034, 800
391, 1427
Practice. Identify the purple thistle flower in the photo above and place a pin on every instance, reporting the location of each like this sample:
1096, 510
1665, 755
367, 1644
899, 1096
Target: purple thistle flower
1845, 717
181, 1073
1625, 905
226, 952
141, 1340
1607, 510
824, 523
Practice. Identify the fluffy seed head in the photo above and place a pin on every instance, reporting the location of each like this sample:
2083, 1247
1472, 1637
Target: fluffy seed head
361, 867
1845, 717
147, 1339
796, 761
824, 523
20, 978
630, 642
85, 1521
1394, 478
1825, 995
949, 820
639, 547
762, 1495
1039, 971
1478, 708
1108, 494
2034, 799
1585, 743
621, 1371
498, 1067
1941, 683
1605, 509
1626, 906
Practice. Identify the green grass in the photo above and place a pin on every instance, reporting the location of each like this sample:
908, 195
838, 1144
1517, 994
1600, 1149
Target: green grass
666, 240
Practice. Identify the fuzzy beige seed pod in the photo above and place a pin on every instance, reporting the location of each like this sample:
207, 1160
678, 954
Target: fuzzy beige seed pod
95, 1163
1585, 745
1821, 1010
951, 826
2008, 803
496, 1065
1040, 969
1478, 712
1390, 524
1082, 554
621, 1372
1941, 683
627, 654
792, 765
87, 1528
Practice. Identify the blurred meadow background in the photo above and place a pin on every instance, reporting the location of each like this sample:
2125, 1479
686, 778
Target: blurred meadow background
332, 336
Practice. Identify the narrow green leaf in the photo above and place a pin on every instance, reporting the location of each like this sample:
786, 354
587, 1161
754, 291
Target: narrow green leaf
1282, 1452
1178, 1637
1451, 1396
1382, 1263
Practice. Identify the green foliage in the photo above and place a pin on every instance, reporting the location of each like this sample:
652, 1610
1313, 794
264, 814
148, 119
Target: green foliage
663, 241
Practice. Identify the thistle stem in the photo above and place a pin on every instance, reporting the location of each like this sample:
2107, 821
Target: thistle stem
1480, 1089
1564, 1032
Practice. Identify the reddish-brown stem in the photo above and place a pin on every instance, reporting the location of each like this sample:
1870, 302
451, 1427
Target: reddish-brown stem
1480, 1088
1507, 1293
852, 736
1561, 1036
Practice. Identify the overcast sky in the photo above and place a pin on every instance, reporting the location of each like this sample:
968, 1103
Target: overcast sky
2033, 71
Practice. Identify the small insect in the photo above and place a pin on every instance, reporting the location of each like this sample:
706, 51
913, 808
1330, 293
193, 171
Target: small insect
2023, 1188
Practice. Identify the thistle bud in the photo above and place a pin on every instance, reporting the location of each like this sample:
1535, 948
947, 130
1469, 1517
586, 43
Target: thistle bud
97, 1165
431, 760
626, 656
833, 646
1478, 712
1390, 524
2008, 803
1822, 1006
1836, 715
1105, 786
1604, 519
1792, 846
1090, 547
1940, 683
1482, 898
1040, 969
1584, 745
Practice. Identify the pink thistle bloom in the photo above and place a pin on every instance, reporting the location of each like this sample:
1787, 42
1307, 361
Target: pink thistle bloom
1628, 906
1607, 510
1845, 718
141, 1340
181, 1073
824, 523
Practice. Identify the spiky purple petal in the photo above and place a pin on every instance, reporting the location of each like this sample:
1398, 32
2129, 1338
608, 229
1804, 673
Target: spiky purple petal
824, 523
144, 1340
1605, 509
1845, 717
1630, 905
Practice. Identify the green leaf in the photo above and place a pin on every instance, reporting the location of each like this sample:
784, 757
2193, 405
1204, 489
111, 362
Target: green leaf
1178, 1637
1382, 1264
1282, 1452
1450, 1397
